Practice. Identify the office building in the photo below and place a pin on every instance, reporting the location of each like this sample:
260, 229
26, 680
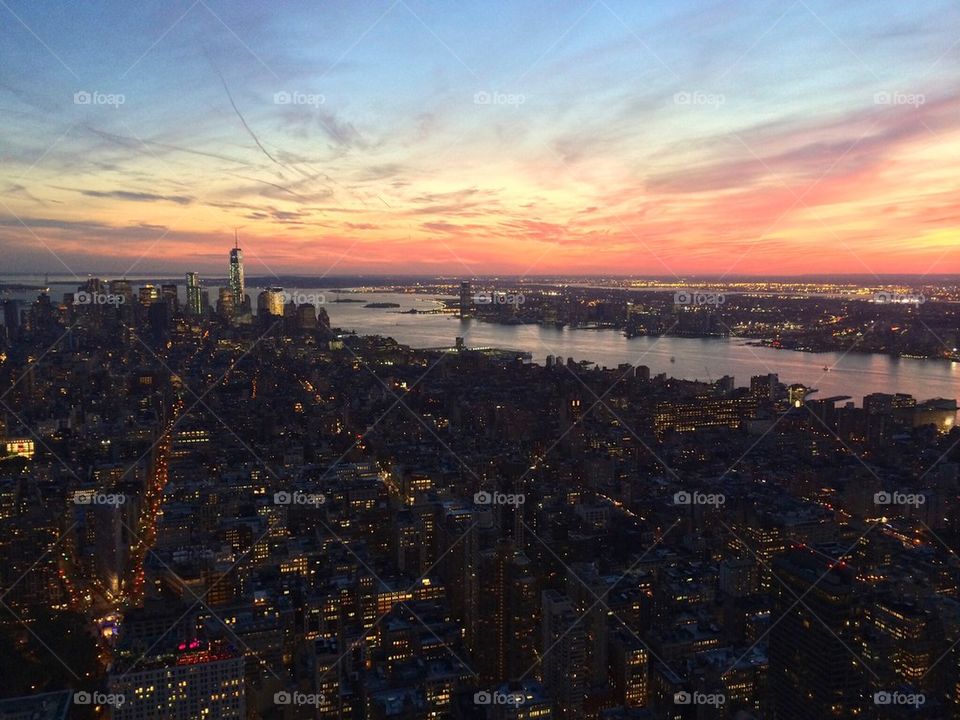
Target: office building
192, 680
813, 673
236, 280
194, 305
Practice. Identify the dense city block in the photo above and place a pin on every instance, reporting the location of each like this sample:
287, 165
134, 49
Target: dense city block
242, 512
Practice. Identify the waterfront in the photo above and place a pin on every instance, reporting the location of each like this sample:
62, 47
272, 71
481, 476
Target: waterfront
854, 374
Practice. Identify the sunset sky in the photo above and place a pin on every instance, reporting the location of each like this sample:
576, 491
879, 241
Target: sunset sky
527, 137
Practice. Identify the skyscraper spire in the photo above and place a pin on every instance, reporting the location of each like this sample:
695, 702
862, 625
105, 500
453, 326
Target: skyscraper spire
237, 288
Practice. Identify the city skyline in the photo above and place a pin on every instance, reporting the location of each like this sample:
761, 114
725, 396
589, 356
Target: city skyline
542, 360
669, 140
273, 513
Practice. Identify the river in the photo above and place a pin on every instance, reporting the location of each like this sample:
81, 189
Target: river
853, 374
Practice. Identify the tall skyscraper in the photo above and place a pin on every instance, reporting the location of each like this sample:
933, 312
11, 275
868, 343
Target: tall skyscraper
563, 654
194, 296
466, 299
236, 274
149, 294
225, 304
270, 303
11, 315
507, 617
629, 666
812, 672
121, 287
168, 293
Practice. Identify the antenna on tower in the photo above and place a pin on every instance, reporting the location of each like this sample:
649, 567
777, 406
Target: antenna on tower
236, 239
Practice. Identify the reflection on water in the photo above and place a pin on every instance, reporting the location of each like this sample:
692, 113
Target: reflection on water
852, 374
